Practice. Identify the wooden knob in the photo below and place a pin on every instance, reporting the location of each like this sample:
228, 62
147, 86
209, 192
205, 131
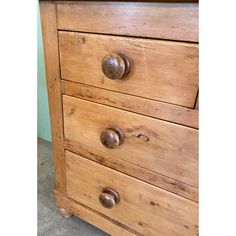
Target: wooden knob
112, 137
115, 66
109, 198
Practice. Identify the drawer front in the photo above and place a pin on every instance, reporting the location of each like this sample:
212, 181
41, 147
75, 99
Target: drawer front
163, 147
159, 70
144, 208
175, 21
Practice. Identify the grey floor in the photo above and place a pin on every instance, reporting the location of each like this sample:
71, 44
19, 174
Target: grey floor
50, 222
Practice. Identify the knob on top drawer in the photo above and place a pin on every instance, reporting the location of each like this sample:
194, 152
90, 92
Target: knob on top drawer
115, 66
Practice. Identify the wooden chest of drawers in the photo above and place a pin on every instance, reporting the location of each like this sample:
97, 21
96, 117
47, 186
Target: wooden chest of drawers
123, 94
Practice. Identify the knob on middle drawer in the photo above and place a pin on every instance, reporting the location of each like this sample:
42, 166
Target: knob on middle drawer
112, 137
115, 66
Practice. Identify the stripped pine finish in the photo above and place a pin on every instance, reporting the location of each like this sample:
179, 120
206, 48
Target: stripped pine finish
169, 149
174, 21
107, 224
162, 213
123, 92
161, 110
159, 70
49, 31
133, 170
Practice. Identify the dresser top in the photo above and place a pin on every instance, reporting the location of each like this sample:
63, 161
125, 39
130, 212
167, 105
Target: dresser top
160, 1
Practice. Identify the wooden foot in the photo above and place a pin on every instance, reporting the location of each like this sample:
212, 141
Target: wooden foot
66, 214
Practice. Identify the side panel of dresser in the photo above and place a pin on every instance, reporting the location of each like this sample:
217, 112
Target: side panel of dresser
50, 43
49, 30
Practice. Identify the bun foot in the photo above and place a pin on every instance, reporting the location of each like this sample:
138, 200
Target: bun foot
65, 214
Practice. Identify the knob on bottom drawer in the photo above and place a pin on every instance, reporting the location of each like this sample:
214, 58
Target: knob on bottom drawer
109, 198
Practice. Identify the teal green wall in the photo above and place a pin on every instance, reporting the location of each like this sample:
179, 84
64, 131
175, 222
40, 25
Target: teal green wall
44, 130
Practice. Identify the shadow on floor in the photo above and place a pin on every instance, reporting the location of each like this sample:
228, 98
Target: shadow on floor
50, 222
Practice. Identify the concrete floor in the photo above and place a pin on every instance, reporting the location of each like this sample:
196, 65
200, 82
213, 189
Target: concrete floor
50, 222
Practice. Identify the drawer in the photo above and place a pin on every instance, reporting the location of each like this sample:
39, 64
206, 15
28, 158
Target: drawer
172, 21
144, 208
165, 148
158, 70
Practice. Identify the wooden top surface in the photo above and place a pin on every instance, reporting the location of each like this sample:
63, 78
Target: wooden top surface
161, 1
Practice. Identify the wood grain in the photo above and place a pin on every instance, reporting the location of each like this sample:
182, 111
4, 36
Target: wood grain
106, 224
50, 43
169, 1
142, 207
164, 71
170, 150
174, 21
156, 109
133, 170
197, 103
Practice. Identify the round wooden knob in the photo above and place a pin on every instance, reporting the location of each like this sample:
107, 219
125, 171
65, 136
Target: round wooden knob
115, 66
109, 198
112, 137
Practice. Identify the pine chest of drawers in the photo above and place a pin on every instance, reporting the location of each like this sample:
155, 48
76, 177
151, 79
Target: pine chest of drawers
123, 94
